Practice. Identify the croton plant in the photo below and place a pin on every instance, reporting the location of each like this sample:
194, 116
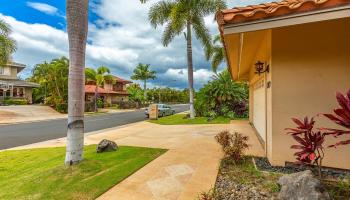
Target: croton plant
311, 143
341, 117
311, 149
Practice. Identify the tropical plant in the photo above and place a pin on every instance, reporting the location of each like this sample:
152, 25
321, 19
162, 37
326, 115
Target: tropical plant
143, 73
7, 44
135, 94
99, 77
223, 97
77, 28
311, 149
167, 95
182, 16
53, 79
216, 53
233, 145
341, 117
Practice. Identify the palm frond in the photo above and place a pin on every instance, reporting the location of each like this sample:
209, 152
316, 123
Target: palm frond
160, 12
201, 31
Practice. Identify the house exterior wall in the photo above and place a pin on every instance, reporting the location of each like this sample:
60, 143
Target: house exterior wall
8, 72
309, 64
29, 95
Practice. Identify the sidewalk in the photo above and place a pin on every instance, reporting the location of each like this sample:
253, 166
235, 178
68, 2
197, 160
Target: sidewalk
187, 169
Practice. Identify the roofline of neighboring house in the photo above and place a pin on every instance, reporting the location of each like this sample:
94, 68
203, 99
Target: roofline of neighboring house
19, 66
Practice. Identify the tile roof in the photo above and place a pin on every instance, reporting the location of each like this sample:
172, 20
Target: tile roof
273, 9
118, 79
92, 88
19, 83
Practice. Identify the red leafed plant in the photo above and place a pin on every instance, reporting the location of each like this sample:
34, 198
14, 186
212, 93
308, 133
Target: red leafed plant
341, 117
310, 143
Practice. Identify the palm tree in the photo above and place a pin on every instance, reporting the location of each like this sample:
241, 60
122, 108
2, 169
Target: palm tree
185, 15
99, 77
216, 53
142, 72
7, 44
77, 28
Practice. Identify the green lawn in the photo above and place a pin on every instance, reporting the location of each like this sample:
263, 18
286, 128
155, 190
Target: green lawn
179, 119
41, 174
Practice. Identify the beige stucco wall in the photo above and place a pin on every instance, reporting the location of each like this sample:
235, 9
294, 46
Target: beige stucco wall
29, 95
309, 64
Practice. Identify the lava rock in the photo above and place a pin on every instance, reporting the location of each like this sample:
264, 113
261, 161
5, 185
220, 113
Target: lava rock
106, 145
301, 186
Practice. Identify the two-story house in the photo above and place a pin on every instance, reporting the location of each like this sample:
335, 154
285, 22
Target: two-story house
11, 86
109, 93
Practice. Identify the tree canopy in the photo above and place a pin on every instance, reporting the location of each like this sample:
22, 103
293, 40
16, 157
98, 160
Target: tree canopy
7, 44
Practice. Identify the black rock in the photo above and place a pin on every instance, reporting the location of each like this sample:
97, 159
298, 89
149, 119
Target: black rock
106, 145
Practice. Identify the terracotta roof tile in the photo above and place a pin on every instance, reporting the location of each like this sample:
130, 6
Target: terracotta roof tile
92, 88
118, 79
273, 9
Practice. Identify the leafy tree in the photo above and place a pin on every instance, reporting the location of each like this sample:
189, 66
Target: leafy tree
143, 73
77, 28
53, 80
136, 94
167, 95
216, 53
185, 15
99, 77
7, 44
222, 96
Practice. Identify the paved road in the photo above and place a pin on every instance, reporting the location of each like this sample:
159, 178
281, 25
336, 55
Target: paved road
28, 133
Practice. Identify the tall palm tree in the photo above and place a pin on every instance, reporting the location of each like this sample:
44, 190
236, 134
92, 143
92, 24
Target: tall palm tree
7, 44
99, 77
77, 28
216, 53
142, 72
185, 15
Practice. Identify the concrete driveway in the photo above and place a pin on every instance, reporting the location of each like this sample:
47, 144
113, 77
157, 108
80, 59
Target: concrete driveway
187, 169
25, 113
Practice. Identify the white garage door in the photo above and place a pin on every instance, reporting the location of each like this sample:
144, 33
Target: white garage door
259, 108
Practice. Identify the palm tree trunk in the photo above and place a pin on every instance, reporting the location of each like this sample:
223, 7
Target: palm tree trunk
145, 90
96, 92
77, 27
190, 67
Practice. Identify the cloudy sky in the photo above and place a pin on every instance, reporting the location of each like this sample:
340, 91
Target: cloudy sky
120, 37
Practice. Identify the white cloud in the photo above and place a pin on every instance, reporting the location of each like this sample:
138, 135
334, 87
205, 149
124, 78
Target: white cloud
120, 39
43, 7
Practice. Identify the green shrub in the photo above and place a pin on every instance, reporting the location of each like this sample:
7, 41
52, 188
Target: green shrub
15, 101
224, 97
100, 103
62, 107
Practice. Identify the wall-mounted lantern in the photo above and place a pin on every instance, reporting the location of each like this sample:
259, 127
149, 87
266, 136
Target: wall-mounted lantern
260, 68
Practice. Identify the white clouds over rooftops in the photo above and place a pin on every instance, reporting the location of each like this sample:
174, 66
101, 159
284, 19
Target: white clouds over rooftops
43, 7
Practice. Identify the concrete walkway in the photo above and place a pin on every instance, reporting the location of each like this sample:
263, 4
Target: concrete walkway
187, 169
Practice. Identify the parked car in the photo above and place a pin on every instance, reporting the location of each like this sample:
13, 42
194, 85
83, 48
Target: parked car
163, 110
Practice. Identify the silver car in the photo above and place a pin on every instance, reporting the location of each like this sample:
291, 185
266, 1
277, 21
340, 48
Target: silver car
163, 110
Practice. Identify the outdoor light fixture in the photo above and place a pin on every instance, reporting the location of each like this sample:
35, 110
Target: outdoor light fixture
259, 68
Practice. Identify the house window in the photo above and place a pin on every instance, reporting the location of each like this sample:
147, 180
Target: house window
1, 70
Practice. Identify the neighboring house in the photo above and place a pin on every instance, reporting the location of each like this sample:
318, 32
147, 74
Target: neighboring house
110, 93
11, 86
306, 44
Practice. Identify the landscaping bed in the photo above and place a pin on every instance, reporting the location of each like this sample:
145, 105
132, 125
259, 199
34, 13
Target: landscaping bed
244, 181
179, 119
41, 174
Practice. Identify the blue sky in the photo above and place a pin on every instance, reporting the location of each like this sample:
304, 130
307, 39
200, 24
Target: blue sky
119, 37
